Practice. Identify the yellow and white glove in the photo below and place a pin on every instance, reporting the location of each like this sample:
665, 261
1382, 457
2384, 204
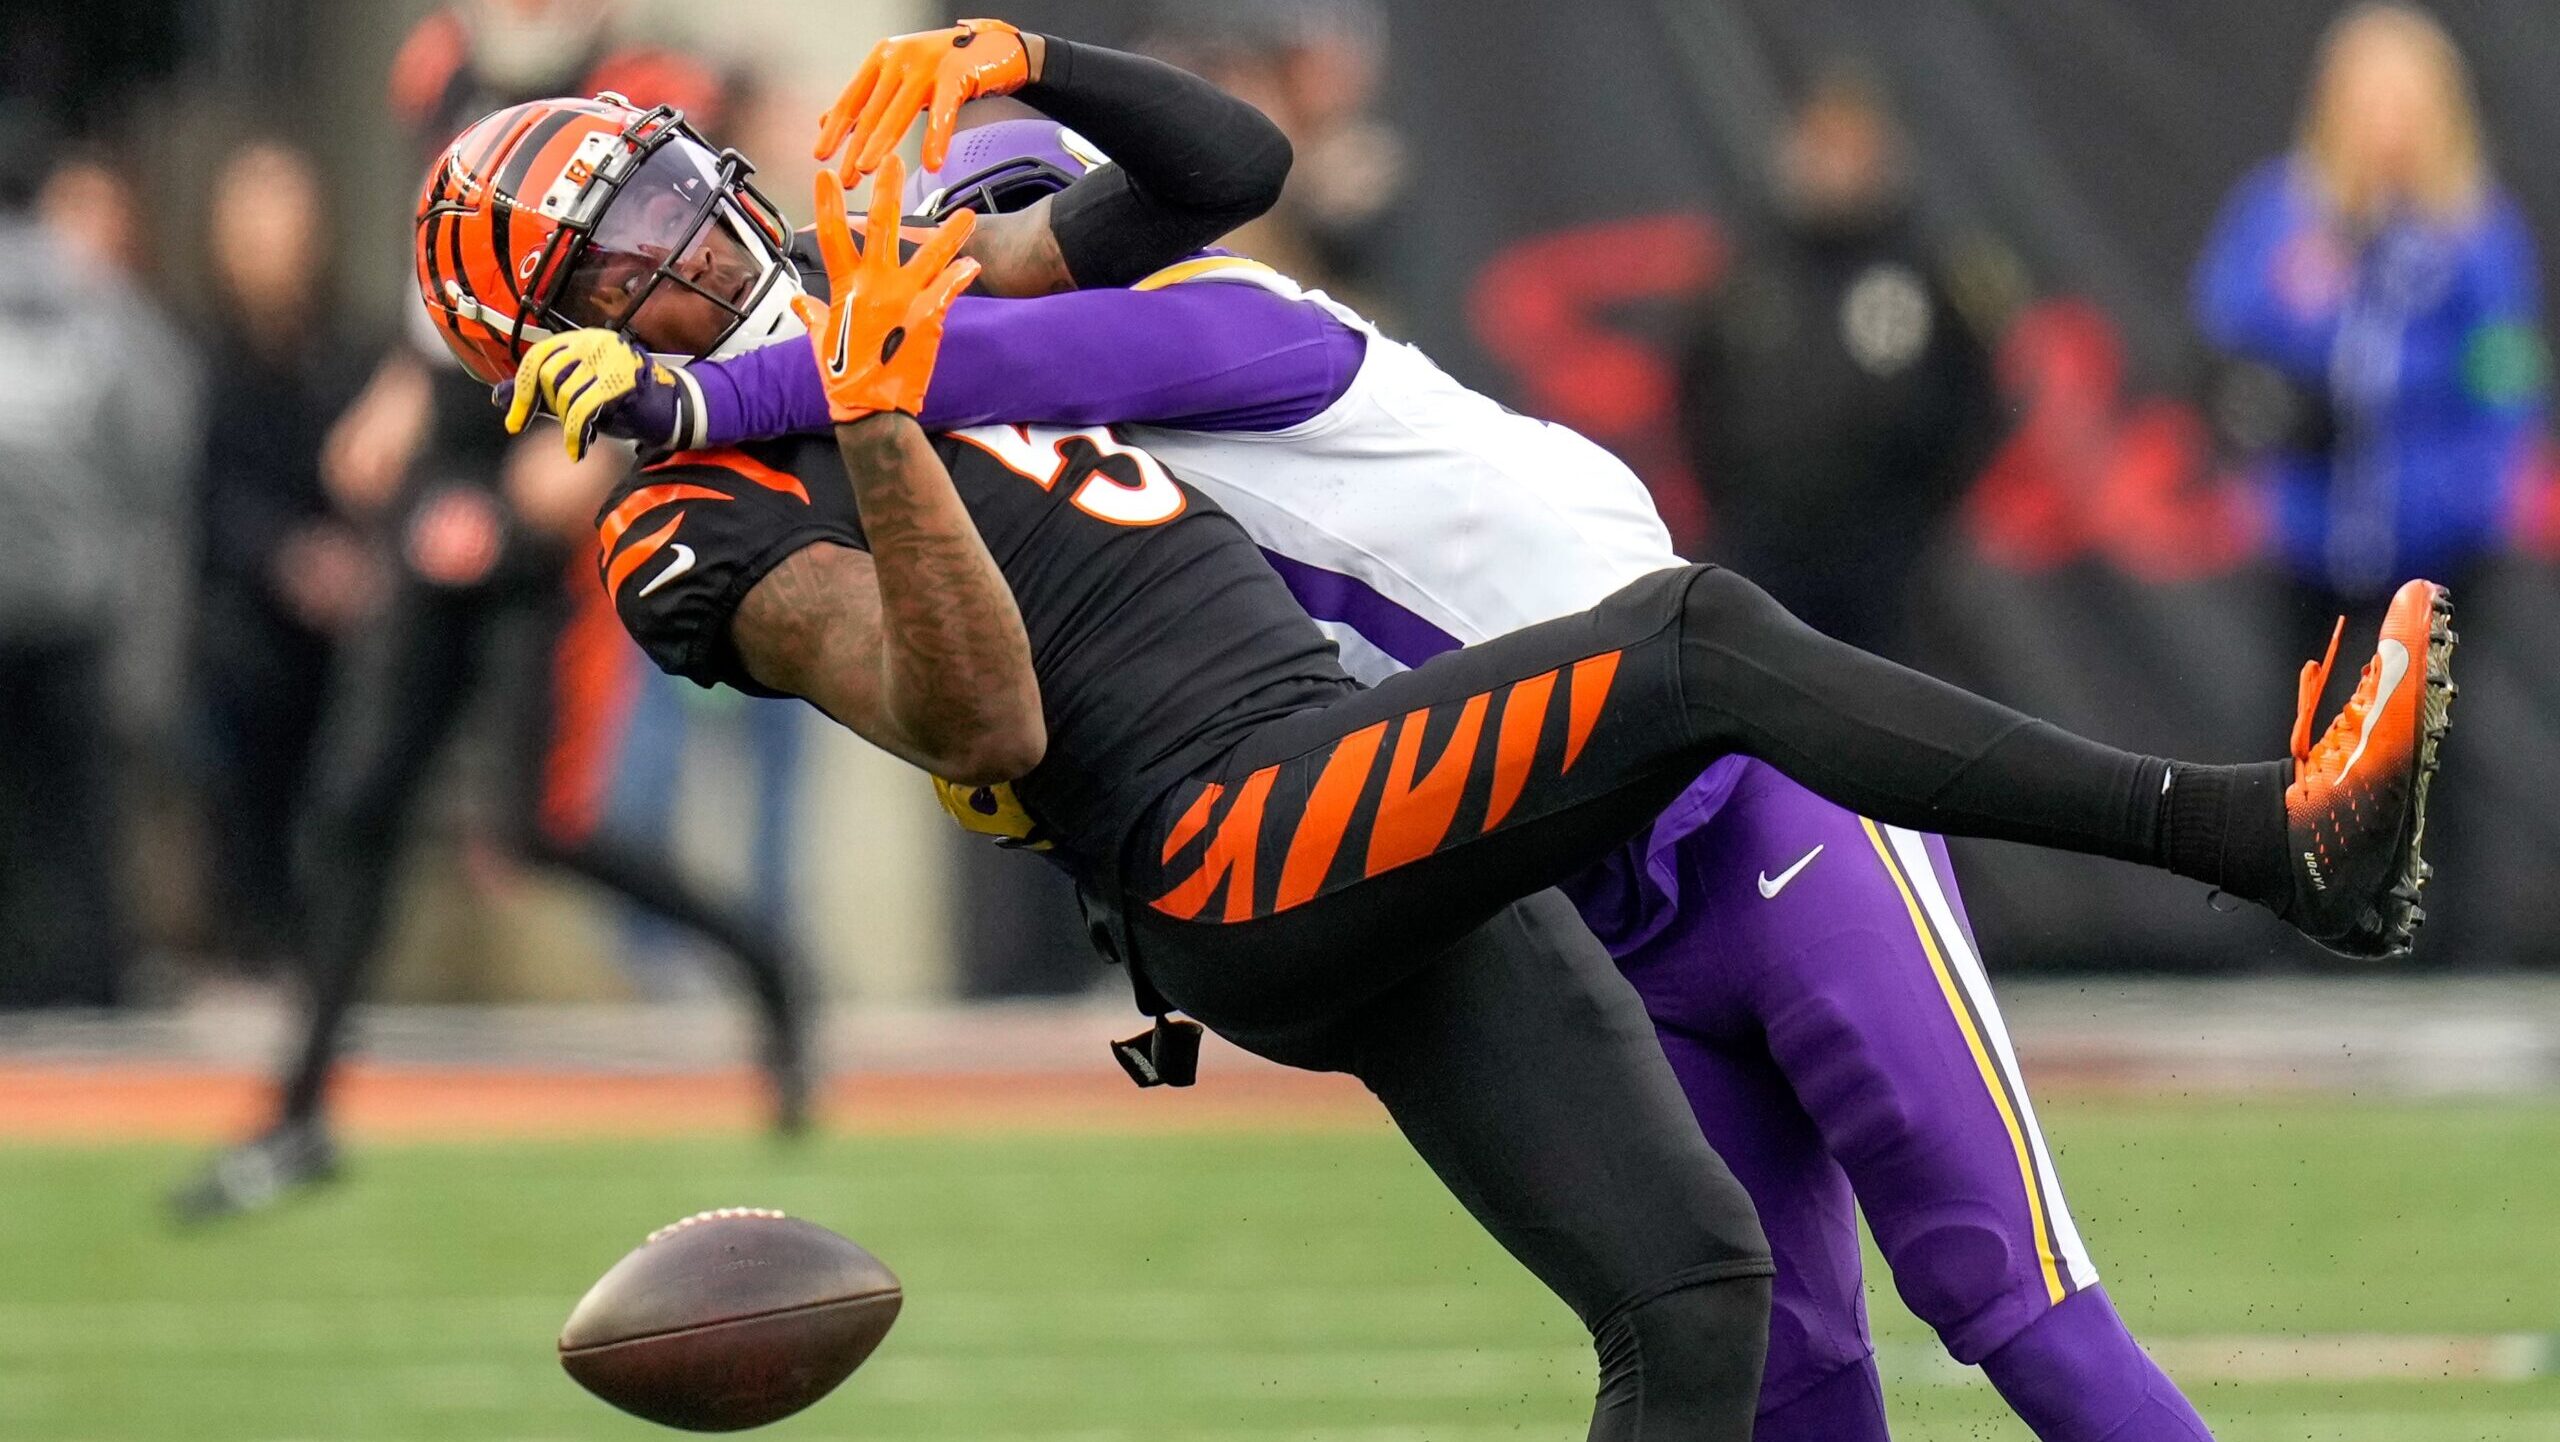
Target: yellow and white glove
598, 382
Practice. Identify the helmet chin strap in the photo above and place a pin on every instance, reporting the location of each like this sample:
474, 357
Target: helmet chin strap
770, 318
768, 321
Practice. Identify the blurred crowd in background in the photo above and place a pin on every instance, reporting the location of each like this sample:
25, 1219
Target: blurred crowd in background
302, 659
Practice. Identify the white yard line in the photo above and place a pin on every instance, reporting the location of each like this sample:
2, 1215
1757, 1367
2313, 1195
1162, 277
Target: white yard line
2318, 1358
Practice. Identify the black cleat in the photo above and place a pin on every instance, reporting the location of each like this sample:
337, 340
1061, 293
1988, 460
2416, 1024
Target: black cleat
259, 1173
793, 1085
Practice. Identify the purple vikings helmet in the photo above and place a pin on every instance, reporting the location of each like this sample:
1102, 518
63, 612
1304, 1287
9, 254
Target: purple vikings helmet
1000, 167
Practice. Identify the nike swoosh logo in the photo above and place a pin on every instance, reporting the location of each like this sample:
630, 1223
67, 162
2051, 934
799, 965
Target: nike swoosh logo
2395, 669
677, 567
1769, 889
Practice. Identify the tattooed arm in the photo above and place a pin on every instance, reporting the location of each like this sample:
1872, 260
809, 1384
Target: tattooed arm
1018, 254
916, 645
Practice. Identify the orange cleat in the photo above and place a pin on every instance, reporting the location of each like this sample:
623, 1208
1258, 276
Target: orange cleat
2357, 809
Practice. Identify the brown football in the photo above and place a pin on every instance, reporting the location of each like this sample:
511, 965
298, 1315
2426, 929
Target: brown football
728, 1320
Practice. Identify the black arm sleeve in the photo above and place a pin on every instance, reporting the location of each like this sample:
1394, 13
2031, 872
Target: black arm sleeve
1190, 162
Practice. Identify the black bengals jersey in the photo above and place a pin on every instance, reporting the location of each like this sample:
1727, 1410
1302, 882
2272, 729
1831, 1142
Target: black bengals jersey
1159, 634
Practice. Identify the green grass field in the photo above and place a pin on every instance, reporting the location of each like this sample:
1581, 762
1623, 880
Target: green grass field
1081, 1289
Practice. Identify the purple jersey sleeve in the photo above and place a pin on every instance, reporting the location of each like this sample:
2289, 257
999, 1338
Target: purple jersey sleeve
1209, 356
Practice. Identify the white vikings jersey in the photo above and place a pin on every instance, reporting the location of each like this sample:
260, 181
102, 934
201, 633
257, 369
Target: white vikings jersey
1412, 514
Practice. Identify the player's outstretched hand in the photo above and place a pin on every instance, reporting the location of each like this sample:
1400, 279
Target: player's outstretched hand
931, 73
595, 381
876, 339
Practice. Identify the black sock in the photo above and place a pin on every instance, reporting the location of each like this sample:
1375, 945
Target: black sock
1900, 747
2225, 825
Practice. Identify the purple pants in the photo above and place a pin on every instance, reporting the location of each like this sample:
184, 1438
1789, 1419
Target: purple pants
1818, 991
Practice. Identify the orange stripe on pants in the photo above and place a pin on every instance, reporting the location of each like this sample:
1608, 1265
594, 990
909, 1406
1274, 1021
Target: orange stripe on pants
1413, 817
1591, 681
1195, 816
1515, 749
1230, 851
1328, 815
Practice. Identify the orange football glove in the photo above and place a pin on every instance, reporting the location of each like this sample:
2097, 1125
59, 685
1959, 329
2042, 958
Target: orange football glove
905, 74
876, 339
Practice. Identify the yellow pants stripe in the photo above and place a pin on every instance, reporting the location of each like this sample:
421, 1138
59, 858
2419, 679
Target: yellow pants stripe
1992, 1078
1181, 271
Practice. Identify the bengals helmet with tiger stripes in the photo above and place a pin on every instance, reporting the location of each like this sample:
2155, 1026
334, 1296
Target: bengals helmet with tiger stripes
557, 214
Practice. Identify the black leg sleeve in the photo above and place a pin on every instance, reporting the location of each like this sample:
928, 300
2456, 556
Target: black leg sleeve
1657, 1381
1191, 162
1495, 771
394, 708
648, 880
525, 658
1906, 749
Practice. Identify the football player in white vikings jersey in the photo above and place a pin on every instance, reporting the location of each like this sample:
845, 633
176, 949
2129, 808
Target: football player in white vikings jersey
1811, 974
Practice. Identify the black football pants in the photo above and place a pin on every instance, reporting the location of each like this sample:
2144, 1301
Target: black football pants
398, 702
1343, 891
1393, 821
1522, 1067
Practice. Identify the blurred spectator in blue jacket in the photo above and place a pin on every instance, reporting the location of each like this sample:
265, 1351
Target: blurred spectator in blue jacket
2384, 280
2381, 286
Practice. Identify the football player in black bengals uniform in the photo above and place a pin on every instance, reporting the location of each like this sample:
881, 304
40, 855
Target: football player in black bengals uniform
1336, 878
1353, 879
1057, 612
